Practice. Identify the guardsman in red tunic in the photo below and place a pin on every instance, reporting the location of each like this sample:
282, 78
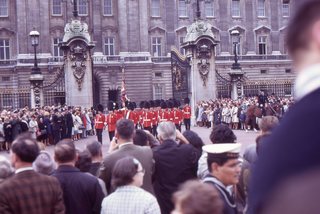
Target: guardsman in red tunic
130, 114
111, 120
163, 114
99, 122
147, 117
170, 111
187, 113
178, 116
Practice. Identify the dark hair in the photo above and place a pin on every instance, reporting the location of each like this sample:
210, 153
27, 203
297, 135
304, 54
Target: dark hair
65, 151
84, 161
299, 26
94, 148
124, 171
125, 129
218, 160
222, 134
26, 148
140, 138
198, 198
193, 139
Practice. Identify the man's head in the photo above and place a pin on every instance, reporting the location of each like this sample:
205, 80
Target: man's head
24, 151
166, 131
222, 134
223, 162
65, 152
197, 197
95, 150
268, 123
303, 34
125, 130
140, 138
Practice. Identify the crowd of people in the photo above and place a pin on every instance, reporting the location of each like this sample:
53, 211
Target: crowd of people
52, 124
243, 114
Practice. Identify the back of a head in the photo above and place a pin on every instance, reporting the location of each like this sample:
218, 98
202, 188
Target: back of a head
84, 161
124, 171
298, 33
222, 134
44, 163
95, 149
26, 148
196, 197
166, 131
194, 139
140, 138
268, 123
125, 129
65, 151
6, 169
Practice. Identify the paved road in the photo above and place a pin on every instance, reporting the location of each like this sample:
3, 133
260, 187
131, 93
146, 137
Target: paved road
242, 137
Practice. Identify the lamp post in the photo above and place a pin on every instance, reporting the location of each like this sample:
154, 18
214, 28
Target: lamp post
36, 77
34, 35
235, 37
236, 74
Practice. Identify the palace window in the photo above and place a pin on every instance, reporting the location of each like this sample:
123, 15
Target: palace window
83, 7
235, 8
107, 8
261, 8
182, 9
182, 50
5, 79
56, 49
158, 92
56, 8
155, 8
4, 8
209, 8
4, 49
285, 8
109, 48
156, 46
262, 44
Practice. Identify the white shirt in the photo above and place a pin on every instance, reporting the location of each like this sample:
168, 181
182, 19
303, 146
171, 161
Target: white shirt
307, 81
24, 169
130, 200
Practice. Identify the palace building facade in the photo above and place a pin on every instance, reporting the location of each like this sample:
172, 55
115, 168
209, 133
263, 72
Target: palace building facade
133, 41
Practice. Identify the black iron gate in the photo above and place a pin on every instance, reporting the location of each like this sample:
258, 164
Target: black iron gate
180, 69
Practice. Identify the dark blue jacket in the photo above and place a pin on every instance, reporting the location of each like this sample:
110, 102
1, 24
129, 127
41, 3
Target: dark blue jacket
81, 192
292, 149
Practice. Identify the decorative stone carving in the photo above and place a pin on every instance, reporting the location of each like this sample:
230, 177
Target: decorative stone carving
198, 29
78, 57
76, 29
204, 68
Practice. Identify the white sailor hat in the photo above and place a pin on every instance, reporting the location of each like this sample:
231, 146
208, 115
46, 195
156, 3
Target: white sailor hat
223, 150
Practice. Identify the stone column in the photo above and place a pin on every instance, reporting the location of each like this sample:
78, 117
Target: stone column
36, 81
78, 76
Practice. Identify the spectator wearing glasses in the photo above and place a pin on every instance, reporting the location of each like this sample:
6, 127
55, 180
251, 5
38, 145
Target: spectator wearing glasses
127, 178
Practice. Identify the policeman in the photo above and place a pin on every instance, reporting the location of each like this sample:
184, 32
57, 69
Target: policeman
224, 167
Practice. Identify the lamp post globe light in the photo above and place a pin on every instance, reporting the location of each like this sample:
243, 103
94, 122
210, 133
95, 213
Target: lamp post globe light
235, 37
36, 77
236, 74
34, 35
